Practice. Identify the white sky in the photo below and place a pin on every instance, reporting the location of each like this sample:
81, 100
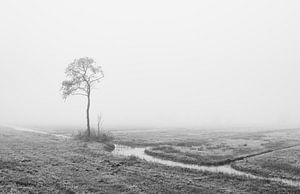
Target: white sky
167, 63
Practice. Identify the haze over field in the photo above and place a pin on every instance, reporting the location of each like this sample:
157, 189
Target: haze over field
217, 64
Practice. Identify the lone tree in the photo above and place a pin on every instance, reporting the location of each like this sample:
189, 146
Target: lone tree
82, 76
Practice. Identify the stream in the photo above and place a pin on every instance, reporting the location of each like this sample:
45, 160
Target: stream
226, 169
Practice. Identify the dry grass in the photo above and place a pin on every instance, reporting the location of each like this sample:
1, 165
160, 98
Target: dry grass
176, 154
36, 163
207, 147
103, 136
284, 164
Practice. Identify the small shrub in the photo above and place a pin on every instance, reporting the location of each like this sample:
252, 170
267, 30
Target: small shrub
103, 136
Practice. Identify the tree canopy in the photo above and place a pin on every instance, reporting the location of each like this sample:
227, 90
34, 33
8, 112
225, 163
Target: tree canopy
82, 76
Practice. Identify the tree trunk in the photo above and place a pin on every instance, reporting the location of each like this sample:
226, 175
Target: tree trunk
88, 116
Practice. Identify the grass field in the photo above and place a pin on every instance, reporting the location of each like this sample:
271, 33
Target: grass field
283, 164
39, 163
209, 148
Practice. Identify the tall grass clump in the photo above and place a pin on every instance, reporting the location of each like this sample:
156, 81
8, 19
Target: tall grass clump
97, 136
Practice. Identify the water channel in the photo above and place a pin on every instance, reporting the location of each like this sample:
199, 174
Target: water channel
226, 169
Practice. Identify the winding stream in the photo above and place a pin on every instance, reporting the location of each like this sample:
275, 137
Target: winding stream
226, 169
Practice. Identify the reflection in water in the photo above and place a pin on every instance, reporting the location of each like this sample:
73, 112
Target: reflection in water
226, 169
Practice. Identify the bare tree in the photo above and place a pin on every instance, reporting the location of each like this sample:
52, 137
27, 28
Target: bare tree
82, 76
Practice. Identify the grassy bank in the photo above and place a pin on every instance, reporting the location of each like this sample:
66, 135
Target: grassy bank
175, 154
208, 147
37, 163
168, 153
282, 164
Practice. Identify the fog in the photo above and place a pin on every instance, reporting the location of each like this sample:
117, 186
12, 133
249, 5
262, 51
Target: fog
167, 64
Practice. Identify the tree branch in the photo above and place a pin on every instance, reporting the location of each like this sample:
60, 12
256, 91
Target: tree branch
91, 81
79, 94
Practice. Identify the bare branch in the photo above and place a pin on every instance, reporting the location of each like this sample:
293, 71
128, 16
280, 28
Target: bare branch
95, 80
79, 94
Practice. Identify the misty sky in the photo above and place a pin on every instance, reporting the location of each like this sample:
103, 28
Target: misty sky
172, 63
